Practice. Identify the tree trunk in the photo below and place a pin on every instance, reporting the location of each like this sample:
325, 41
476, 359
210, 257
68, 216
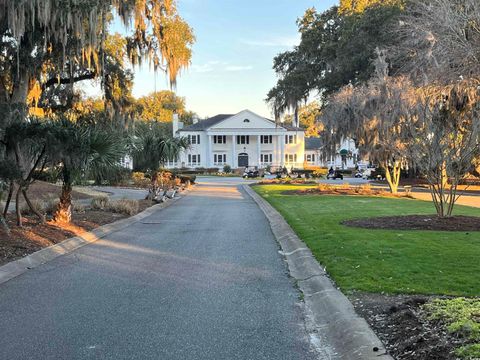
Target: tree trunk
20, 89
153, 191
17, 208
393, 178
4, 224
30, 205
9, 198
63, 214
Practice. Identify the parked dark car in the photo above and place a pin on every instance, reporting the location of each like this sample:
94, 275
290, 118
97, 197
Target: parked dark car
251, 174
335, 175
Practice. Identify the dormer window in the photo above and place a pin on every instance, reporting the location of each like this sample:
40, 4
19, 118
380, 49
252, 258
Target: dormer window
246, 121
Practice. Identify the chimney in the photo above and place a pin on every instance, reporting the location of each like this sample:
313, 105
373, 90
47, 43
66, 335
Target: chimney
195, 119
175, 124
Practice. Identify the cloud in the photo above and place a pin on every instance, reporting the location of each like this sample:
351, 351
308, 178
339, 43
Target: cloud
238, 67
218, 66
280, 41
205, 68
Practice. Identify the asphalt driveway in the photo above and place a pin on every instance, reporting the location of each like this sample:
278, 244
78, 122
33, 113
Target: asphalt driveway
201, 279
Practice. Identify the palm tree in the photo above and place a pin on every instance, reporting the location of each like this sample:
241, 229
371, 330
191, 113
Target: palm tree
76, 148
152, 149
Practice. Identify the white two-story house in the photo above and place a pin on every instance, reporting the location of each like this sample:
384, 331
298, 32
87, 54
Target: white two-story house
240, 140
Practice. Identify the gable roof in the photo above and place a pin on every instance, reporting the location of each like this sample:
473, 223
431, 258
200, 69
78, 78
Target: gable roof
313, 143
207, 123
210, 122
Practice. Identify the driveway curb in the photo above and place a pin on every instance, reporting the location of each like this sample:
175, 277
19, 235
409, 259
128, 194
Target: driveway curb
339, 331
20, 266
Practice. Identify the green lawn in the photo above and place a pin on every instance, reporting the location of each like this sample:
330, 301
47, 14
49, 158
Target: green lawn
390, 261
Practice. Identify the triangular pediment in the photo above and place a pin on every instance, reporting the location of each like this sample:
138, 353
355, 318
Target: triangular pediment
245, 119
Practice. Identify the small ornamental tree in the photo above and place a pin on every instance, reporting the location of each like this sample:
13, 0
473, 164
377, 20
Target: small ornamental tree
443, 125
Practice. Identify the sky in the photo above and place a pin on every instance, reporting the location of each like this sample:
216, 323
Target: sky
236, 41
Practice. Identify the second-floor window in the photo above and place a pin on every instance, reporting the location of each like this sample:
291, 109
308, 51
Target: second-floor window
219, 139
194, 139
243, 139
290, 139
266, 139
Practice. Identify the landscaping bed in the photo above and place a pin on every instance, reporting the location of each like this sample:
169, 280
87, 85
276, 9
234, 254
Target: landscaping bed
418, 222
34, 236
345, 189
420, 327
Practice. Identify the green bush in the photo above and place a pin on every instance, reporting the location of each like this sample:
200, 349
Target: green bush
227, 169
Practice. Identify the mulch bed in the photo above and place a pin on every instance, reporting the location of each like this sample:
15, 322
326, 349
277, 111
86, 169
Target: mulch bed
35, 236
403, 327
418, 222
339, 191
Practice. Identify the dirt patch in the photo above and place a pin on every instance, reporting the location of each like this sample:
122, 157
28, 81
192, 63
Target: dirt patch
402, 325
35, 236
418, 222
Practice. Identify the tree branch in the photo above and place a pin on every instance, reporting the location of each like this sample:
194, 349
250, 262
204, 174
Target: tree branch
68, 80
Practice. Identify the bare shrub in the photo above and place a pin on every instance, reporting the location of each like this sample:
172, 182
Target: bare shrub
78, 207
36, 204
51, 204
123, 206
99, 203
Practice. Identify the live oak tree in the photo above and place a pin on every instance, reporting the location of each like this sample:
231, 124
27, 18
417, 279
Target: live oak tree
336, 49
160, 106
46, 46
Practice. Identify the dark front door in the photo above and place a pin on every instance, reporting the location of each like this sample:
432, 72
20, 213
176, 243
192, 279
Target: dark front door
242, 160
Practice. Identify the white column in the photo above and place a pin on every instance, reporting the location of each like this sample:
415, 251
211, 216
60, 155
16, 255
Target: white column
234, 152
258, 151
282, 150
209, 151
278, 161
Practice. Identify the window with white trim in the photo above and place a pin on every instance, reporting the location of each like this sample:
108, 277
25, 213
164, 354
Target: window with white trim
219, 159
194, 139
266, 158
290, 158
290, 139
243, 139
266, 139
193, 159
310, 157
219, 139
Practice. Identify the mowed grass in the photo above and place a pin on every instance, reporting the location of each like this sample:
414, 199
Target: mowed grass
389, 261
